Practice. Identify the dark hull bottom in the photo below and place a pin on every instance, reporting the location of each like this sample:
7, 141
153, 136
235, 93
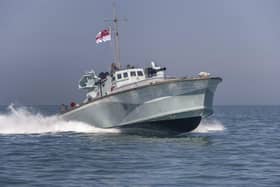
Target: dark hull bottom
175, 126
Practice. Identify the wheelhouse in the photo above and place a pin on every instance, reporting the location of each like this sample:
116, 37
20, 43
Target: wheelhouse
127, 76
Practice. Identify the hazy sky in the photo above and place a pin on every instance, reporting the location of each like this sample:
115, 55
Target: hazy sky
46, 45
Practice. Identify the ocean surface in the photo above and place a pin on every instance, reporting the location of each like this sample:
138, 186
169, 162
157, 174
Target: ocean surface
237, 146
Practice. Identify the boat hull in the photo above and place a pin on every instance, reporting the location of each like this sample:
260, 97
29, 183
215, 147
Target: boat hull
170, 126
176, 104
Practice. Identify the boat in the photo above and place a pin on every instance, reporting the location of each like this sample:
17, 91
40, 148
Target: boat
135, 97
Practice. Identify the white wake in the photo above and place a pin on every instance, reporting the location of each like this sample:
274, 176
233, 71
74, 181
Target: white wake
209, 126
23, 121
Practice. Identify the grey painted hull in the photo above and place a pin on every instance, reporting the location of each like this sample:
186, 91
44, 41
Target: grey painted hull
174, 100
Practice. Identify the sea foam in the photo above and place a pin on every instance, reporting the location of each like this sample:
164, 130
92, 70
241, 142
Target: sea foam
23, 121
207, 126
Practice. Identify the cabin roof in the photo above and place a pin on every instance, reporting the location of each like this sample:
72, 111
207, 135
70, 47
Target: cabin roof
129, 70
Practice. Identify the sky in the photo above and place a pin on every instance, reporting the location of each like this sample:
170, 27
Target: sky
47, 45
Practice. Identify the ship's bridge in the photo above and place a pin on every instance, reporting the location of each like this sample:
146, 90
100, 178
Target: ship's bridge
127, 76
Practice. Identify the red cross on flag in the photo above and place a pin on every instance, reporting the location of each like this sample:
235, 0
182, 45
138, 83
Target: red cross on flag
103, 36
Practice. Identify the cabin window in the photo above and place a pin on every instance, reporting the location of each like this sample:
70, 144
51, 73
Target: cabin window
119, 76
140, 73
125, 75
132, 73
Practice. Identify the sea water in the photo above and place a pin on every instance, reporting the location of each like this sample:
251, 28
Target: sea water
237, 146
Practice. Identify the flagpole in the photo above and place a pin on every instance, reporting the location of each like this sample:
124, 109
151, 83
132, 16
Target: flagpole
116, 37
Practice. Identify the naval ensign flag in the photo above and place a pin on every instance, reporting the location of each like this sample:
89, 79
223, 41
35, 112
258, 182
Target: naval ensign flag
103, 36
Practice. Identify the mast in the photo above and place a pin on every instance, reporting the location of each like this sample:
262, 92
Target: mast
115, 32
116, 37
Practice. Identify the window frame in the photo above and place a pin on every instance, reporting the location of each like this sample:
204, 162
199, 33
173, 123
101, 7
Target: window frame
125, 75
119, 76
140, 73
133, 74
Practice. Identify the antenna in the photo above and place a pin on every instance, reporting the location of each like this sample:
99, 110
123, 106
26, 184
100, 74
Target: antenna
115, 30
